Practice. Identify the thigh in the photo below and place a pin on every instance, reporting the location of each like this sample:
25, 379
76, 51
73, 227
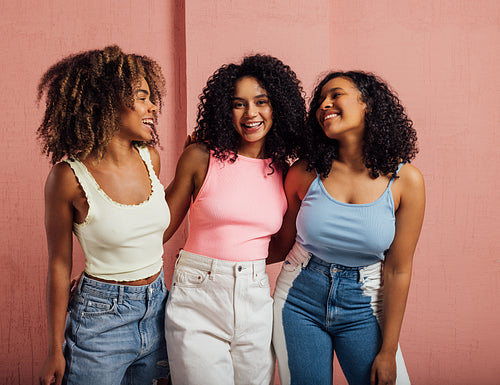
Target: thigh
356, 347
303, 346
152, 363
251, 352
354, 324
198, 328
99, 346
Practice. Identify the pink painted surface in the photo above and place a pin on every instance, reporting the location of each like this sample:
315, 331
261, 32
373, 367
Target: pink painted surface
34, 36
442, 58
439, 55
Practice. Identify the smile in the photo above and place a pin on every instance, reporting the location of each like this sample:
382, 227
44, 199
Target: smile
330, 116
252, 126
149, 122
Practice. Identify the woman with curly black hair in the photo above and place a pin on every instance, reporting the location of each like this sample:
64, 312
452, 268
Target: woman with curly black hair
219, 313
356, 207
100, 115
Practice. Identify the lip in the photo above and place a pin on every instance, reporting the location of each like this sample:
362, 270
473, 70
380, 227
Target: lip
252, 126
148, 122
329, 115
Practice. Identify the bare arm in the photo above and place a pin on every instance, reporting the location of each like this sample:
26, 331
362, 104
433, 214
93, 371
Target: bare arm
397, 269
297, 183
189, 176
60, 190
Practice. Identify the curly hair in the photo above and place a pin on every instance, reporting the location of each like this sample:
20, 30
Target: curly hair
389, 136
214, 121
86, 93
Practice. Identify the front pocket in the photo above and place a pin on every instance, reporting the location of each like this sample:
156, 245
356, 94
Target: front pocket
95, 306
289, 266
188, 277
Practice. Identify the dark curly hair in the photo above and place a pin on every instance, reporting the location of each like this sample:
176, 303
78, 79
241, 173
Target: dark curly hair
86, 93
214, 121
389, 137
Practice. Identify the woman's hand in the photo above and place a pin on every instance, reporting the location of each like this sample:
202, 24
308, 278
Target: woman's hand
383, 370
53, 369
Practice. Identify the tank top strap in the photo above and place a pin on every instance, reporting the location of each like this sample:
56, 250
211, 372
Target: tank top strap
146, 157
83, 176
395, 174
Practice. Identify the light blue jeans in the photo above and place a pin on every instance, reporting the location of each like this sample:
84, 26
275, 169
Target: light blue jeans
115, 334
322, 308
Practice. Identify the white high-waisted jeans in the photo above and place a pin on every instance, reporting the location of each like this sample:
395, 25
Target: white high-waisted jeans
219, 320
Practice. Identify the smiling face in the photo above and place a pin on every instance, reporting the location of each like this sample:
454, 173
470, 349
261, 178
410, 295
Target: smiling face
252, 113
341, 110
138, 123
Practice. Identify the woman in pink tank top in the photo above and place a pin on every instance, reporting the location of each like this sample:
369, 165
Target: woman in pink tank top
219, 312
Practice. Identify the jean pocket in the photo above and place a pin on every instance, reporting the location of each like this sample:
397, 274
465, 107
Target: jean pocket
188, 277
289, 266
264, 282
95, 306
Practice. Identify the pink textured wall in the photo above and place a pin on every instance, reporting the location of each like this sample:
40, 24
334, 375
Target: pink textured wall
34, 36
440, 56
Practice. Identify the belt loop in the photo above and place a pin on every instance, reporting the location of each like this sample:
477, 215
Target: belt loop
178, 258
80, 284
306, 262
254, 271
120, 294
213, 269
360, 275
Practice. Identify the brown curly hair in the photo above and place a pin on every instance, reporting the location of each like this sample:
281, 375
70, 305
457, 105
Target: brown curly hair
86, 93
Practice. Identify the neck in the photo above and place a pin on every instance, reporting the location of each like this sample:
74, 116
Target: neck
252, 150
351, 154
118, 152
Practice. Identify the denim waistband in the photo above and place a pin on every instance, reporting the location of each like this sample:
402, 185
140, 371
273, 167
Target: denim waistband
219, 266
113, 290
357, 272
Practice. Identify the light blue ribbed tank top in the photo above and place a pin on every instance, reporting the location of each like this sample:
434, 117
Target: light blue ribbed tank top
344, 233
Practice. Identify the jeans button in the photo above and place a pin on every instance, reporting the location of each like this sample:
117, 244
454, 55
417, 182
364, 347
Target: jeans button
239, 268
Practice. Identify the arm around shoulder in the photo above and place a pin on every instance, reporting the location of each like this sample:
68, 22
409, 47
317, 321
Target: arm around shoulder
297, 183
190, 173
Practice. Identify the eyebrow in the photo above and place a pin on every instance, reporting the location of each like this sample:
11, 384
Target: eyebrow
143, 91
255, 97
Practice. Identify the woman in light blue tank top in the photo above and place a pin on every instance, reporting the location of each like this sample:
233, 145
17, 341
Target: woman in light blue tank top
355, 210
99, 130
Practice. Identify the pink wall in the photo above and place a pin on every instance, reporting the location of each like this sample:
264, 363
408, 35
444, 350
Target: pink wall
439, 55
442, 57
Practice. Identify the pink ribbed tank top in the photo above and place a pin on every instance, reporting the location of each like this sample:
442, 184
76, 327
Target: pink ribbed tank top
238, 208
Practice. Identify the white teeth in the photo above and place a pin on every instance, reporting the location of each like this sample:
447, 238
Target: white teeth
148, 121
252, 124
330, 116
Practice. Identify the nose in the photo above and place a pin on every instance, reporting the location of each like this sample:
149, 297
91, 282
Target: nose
152, 107
326, 104
251, 110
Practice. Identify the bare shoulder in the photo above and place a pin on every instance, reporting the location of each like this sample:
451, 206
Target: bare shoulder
154, 154
299, 178
196, 152
61, 182
410, 177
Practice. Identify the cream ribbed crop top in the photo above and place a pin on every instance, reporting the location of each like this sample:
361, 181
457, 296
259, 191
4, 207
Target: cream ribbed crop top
122, 242
239, 206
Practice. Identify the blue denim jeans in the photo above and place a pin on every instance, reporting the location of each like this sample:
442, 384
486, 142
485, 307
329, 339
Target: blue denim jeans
115, 334
322, 308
